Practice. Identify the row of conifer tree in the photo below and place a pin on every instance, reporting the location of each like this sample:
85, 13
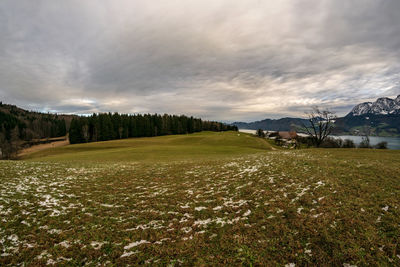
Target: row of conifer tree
19, 128
107, 126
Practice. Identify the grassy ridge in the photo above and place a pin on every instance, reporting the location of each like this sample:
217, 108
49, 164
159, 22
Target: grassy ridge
204, 145
76, 205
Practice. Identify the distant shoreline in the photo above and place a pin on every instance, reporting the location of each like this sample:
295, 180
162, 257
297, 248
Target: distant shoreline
393, 141
341, 134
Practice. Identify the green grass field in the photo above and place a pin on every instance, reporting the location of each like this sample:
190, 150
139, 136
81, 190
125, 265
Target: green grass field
205, 199
198, 146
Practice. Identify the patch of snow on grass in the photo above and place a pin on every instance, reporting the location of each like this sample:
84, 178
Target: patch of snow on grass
97, 245
54, 231
64, 244
107, 205
202, 222
299, 210
127, 254
135, 244
247, 213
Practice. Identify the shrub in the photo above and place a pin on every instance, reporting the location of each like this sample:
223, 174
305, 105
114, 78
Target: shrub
381, 145
278, 140
347, 143
330, 142
260, 133
365, 142
308, 141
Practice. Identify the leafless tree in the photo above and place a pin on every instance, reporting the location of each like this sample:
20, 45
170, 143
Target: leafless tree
365, 142
320, 124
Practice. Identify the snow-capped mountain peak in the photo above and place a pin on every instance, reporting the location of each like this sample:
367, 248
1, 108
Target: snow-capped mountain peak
382, 106
360, 109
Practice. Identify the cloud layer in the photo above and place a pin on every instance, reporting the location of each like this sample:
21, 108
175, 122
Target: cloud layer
224, 60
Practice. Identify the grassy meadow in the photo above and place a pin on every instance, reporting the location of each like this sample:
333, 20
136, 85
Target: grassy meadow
205, 199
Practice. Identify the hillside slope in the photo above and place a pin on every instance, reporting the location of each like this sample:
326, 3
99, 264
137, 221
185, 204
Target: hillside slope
206, 199
203, 145
20, 128
377, 125
31, 124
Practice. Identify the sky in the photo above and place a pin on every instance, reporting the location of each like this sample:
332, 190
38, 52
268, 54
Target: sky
221, 60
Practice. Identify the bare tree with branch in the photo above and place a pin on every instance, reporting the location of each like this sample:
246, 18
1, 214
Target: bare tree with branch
320, 124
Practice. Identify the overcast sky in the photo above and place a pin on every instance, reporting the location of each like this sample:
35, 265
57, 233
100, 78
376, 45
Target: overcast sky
222, 60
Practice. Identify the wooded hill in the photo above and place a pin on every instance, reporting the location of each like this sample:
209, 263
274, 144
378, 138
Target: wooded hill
107, 126
376, 125
19, 127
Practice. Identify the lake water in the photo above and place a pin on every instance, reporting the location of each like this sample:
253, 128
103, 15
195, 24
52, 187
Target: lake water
392, 142
247, 131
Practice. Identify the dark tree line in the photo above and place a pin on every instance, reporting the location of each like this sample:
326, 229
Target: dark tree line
17, 127
107, 126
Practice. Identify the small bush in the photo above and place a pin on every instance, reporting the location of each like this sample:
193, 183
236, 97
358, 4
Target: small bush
365, 142
308, 141
381, 145
332, 143
347, 143
260, 133
278, 140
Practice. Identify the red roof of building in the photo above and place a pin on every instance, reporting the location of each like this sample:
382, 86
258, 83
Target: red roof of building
288, 135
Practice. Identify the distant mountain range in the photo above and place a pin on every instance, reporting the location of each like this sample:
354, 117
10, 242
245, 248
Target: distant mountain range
381, 118
284, 124
382, 106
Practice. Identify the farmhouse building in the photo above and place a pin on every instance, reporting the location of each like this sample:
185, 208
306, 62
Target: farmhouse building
287, 135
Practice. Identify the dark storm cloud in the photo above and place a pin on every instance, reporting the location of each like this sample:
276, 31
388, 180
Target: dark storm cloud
225, 60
